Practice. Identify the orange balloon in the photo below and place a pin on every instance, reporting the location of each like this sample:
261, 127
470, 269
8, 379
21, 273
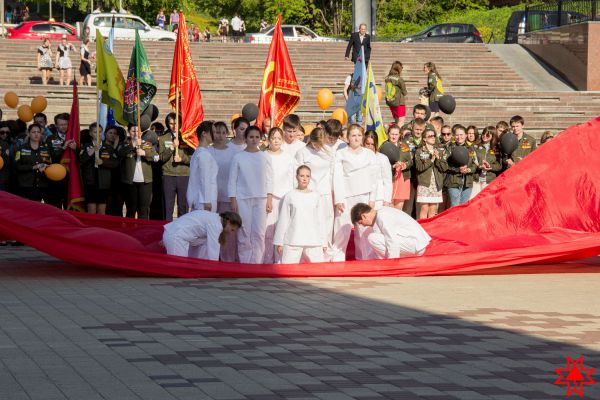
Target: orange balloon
1, 163
341, 115
24, 113
308, 128
325, 98
379, 94
38, 104
55, 172
234, 116
11, 99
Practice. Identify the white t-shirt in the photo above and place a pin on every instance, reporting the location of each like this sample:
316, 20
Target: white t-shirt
236, 23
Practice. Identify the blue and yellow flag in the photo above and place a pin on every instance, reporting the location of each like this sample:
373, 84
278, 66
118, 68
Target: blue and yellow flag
109, 78
358, 84
370, 108
140, 87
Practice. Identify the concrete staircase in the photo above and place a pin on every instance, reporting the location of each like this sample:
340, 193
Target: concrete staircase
485, 87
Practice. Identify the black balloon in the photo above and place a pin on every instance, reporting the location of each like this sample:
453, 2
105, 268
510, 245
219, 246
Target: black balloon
250, 112
152, 112
428, 115
145, 122
447, 104
391, 151
459, 156
508, 143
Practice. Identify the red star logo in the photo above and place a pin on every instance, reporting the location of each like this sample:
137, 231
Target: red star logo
576, 376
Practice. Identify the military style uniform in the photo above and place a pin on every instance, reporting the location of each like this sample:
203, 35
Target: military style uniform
57, 193
409, 125
406, 156
5, 170
492, 156
175, 175
526, 145
425, 167
97, 181
32, 183
412, 143
454, 178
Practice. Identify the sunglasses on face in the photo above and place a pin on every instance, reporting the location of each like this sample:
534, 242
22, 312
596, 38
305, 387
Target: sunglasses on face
447, 134
4, 132
429, 136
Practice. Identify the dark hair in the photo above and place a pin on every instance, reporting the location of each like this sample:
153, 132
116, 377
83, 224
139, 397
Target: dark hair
547, 135
238, 121
372, 135
456, 127
335, 128
502, 124
41, 115
358, 210
517, 118
34, 125
273, 131
221, 125
317, 138
419, 122
63, 116
93, 125
252, 128
419, 107
158, 128
205, 126
476, 133
394, 126
170, 116
300, 168
233, 219
396, 68
433, 69
492, 131
291, 121
437, 118
131, 125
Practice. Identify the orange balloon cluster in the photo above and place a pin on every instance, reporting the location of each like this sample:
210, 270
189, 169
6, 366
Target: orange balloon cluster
25, 112
325, 98
55, 172
341, 115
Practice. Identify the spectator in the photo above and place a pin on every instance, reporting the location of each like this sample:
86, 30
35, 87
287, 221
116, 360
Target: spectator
174, 18
85, 67
161, 19
63, 61
236, 25
526, 143
223, 29
206, 35
264, 25
25, 13
459, 180
30, 162
44, 60
357, 40
547, 135
429, 176
434, 87
8, 15
395, 91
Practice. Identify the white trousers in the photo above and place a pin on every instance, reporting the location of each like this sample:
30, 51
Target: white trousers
177, 246
271, 256
379, 251
294, 254
229, 251
251, 237
327, 207
342, 228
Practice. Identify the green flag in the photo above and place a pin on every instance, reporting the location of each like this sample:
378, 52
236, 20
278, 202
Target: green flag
109, 78
139, 73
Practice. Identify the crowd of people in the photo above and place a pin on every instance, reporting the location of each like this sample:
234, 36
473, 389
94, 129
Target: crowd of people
288, 187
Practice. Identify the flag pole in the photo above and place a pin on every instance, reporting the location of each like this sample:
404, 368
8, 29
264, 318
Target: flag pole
177, 108
97, 150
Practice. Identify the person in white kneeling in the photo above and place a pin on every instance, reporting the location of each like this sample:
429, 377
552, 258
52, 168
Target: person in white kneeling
395, 234
200, 234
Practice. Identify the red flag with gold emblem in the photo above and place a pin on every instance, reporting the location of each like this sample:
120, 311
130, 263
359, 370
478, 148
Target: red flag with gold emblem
279, 92
184, 84
75, 199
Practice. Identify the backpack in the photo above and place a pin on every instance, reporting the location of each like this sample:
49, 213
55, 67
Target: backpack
392, 93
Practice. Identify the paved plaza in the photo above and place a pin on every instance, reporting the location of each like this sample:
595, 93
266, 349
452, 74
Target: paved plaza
69, 332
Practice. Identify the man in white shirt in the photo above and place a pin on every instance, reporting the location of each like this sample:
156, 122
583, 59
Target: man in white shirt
291, 127
236, 25
395, 234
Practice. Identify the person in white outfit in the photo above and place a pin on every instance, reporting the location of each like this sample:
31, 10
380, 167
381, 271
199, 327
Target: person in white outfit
333, 140
395, 234
240, 125
284, 168
299, 234
353, 171
317, 156
202, 185
250, 179
383, 195
223, 153
291, 127
199, 234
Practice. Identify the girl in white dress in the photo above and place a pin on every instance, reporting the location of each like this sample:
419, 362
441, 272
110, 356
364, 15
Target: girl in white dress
63, 61
200, 234
202, 184
384, 176
353, 182
319, 158
283, 167
250, 179
299, 234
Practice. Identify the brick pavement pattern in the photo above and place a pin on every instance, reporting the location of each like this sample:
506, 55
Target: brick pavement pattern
68, 332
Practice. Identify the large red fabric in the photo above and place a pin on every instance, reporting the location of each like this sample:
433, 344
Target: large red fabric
279, 92
185, 83
75, 199
545, 209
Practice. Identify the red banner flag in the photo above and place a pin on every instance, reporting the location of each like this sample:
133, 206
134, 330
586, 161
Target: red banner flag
279, 92
185, 85
75, 199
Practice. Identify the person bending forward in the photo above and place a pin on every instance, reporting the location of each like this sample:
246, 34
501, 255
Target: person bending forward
395, 234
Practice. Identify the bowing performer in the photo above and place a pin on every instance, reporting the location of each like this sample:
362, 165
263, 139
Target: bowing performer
200, 234
395, 234
300, 234
250, 180
353, 183
202, 190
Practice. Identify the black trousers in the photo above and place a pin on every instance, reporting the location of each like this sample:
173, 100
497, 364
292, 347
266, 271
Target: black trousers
57, 192
175, 186
137, 200
157, 206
